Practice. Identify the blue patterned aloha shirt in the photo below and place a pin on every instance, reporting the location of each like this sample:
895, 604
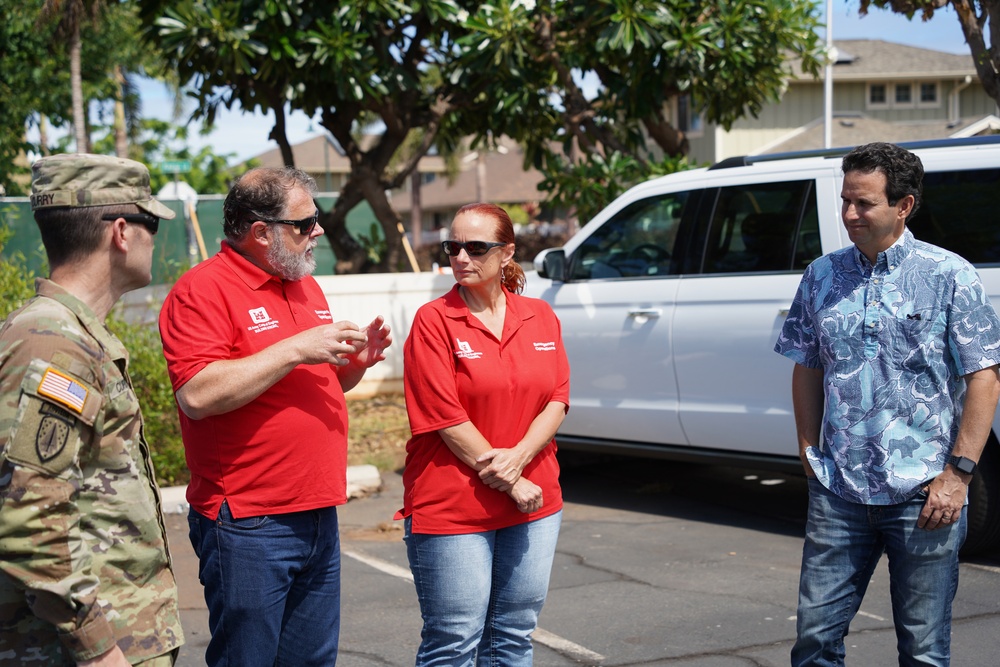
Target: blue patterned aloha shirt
894, 341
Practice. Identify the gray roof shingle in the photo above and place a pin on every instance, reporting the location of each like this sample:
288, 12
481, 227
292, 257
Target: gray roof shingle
877, 59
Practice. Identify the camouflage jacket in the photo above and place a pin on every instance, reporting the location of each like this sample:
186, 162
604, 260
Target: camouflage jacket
83, 553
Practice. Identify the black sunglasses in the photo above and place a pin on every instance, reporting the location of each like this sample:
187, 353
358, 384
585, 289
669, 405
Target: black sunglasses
472, 248
150, 222
305, 226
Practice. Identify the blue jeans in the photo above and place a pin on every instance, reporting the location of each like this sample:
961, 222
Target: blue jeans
480, 593
272, 586
844, 542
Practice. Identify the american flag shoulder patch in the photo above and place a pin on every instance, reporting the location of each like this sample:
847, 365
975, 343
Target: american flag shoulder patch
63, 389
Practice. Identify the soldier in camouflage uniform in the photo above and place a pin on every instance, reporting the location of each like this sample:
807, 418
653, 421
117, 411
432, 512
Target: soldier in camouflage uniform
85, 577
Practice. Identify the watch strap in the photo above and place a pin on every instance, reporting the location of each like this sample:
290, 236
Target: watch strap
963, 464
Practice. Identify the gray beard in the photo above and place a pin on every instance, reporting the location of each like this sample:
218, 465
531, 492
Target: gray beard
289, 264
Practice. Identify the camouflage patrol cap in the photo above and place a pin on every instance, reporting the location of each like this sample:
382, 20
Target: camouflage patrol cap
82, 179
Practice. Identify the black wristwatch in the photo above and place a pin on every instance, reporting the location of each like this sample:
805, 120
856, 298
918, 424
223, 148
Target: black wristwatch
963, 465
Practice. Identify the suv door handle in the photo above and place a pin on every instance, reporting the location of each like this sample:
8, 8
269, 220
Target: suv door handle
645, 313
783, 312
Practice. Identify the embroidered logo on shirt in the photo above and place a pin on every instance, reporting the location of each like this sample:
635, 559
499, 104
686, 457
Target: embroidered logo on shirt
324, 315
465, 350
545, 347
63, 389
261, 320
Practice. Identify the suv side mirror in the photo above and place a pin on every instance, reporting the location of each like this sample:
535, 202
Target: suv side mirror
551, 264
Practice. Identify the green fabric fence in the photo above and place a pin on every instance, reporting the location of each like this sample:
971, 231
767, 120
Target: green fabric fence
176, 248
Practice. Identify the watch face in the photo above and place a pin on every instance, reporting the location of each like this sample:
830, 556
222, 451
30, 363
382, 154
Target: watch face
963, 464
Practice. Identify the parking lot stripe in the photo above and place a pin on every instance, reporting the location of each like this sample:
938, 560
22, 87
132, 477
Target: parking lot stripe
872, 616
380, 565
566, 647
554, 642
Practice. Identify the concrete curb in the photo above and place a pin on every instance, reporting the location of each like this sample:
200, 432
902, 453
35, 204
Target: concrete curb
361, 481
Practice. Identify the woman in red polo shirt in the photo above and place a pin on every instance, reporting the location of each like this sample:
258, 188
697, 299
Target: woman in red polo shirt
487, 385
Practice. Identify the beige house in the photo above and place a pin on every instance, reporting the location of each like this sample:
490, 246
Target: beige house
496, 176
881, 91
322, 158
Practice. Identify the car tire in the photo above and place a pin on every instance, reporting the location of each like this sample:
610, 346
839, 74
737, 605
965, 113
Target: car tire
984, 503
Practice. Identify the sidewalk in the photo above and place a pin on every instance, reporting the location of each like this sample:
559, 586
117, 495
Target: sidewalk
362, 481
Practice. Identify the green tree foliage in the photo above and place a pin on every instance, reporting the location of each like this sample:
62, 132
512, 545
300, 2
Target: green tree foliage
28, 76
35, 76
69, 16
978, 20
589, 185
453, 68
210, 172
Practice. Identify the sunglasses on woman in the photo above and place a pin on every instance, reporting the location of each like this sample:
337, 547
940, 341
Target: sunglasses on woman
472, 248
304, 226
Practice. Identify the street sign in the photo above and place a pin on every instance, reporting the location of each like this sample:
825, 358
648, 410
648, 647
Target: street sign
175, 166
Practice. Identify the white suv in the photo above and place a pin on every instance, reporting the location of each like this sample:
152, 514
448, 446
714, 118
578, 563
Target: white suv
671, 300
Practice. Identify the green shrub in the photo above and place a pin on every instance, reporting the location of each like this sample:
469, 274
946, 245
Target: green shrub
17, 282
148, 370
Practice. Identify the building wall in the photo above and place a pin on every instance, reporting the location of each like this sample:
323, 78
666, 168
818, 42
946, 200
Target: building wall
803, 104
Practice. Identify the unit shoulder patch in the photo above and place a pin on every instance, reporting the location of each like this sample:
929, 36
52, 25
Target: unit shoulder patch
53, 407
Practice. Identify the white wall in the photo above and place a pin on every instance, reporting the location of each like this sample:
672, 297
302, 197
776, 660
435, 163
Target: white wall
360, 298
357, 298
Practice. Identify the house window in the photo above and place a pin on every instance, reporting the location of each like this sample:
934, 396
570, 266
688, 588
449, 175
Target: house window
904, 94
877, 95
689, 121
929, 97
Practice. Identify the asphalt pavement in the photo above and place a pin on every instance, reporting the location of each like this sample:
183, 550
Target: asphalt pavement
657, 564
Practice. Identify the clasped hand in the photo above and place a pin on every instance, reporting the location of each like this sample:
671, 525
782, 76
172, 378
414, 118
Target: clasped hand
503, 468
503, 473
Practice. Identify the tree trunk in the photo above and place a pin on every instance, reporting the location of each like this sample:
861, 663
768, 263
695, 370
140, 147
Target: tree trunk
481, 174
121, 132
43, 134
986, 58
416, 210
372, 190
279, 135
672, 141
351, 257
76, 87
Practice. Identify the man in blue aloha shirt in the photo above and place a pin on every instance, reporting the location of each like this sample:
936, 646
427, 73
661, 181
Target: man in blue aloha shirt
894, 388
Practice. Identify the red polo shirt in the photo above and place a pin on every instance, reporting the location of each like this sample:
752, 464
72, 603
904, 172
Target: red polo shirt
455, 371
285, 451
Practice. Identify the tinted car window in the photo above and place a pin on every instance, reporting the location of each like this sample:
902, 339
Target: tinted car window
960, 213
637, 242
756, 228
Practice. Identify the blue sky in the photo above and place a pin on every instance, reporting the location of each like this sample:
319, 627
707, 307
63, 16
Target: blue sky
245, 135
